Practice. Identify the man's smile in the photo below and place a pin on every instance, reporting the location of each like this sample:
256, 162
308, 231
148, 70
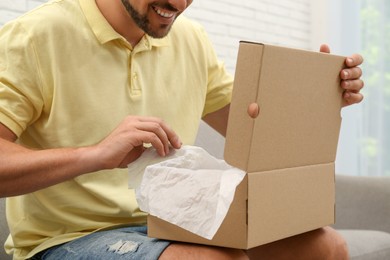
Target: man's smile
163, 12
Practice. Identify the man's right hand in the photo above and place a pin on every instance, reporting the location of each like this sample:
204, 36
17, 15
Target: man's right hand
126, 143
24, 170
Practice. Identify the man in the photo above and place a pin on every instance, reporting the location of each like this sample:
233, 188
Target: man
84, 84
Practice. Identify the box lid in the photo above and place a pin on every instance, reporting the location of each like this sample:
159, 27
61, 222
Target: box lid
300, 98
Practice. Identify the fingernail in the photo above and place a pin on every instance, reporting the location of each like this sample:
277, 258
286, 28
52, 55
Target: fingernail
179, 142
345, 74
349, 60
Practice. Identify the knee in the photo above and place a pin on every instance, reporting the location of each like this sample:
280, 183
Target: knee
182, 251
324, 243
335, 245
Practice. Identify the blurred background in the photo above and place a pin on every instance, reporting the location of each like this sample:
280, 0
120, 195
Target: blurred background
348, 26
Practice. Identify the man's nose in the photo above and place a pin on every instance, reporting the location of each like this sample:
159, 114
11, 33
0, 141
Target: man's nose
179, 5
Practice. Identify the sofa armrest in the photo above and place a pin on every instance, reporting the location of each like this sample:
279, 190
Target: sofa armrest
363, 202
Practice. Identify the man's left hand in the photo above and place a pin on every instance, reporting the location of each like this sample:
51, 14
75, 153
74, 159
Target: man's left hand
350, 77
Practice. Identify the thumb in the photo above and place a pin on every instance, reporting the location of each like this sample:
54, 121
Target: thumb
132, 156
324, 48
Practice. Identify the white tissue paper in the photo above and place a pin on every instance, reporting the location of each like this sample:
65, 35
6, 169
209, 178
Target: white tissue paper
188, 188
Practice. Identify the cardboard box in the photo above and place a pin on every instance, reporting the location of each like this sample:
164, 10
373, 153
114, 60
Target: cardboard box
288, 150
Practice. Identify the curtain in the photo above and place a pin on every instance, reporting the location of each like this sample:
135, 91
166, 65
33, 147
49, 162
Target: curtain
363, 26
374, 142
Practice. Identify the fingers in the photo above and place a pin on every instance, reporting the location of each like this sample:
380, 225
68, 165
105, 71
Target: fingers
351, 73
163, 130
352, 98
354, 60
351, 82
350, 77
352, 85
126, 142
156, 132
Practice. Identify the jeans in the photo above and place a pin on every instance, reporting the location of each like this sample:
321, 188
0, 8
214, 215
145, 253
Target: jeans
121, 243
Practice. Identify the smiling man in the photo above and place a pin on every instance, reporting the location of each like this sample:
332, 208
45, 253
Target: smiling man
84, 84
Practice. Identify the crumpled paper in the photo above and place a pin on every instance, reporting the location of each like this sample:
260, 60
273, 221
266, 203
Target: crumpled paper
188, 188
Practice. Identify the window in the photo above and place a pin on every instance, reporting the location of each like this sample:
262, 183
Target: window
375, 47
361, 26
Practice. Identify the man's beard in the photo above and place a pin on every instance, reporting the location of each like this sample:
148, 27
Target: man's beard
143, 22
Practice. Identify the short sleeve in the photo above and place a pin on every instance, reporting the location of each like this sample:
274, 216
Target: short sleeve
20, 93
219, 82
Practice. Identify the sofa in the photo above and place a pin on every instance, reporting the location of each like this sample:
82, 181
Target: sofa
362, 216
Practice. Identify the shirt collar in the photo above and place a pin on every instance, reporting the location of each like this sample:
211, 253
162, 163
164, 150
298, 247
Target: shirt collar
104, 31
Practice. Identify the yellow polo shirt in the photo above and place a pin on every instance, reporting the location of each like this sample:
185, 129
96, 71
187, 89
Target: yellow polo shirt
68, 79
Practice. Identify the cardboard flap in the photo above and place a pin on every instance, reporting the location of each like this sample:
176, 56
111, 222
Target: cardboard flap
300, 99
240, 127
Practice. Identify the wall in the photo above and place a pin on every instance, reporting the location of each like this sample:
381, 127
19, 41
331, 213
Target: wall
283, 22
10, 9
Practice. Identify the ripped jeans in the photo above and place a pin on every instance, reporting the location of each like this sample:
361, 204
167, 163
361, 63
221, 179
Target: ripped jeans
121, 243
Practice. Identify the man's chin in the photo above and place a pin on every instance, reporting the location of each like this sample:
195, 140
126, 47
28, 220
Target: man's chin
161, 33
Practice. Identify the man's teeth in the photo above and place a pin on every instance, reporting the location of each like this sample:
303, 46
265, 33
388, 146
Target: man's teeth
163, 14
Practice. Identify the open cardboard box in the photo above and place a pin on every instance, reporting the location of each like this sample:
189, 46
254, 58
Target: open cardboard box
288, 151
